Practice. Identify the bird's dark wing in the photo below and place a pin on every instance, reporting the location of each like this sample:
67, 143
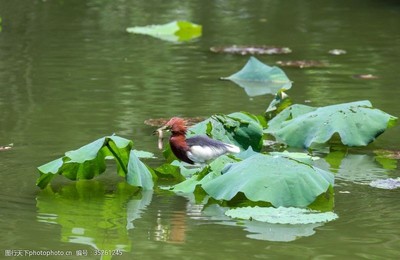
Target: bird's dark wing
203, 140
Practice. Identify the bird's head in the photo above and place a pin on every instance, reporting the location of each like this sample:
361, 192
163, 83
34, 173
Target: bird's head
175, 125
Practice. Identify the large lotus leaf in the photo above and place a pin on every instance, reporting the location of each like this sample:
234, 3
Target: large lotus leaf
241, 129
258, 78
281, 215
274, 179
88, 161
139, 174
203, 175
176, 31
357, 124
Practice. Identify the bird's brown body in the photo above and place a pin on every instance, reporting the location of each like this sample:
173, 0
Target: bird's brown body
196, 149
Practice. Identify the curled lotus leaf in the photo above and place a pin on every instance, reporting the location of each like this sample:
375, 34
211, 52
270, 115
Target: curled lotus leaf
258, 78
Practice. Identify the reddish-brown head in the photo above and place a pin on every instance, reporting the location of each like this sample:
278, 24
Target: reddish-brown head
177, 125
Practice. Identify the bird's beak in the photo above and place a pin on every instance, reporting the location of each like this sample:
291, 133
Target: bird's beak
161, 129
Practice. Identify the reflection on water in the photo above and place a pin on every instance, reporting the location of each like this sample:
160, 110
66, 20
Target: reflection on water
91, 216
70, 73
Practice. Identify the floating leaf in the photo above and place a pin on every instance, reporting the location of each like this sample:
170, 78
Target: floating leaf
302, 64
274, 179
281, 215
261, 230
176, 31
387, 184
252, 50
258, 78
356, 123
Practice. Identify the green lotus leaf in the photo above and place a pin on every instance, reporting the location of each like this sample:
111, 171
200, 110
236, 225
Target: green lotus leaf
281, 215
176, 31
139, 174
274, 179
89, 161
356, 123
240, 128
203, 175
258, 78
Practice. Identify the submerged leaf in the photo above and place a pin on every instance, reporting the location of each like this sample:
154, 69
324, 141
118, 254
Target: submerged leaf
356, 123
281, 215
274, 179
249, 49
176, 31
258, 78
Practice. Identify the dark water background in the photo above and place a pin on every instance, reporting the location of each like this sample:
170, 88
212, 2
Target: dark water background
69, 74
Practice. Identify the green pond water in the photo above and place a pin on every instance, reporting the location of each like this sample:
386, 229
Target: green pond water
70, 73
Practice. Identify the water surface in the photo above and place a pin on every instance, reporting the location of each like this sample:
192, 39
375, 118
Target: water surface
69, 74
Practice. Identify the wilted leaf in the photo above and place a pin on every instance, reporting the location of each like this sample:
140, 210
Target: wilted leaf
177, 31
258, 78
252, 50
282, 215
356, 123
274, 179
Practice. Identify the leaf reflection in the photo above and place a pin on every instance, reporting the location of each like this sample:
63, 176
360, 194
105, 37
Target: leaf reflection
91, 215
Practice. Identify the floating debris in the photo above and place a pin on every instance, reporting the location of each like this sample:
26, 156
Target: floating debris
250, 49
390, 154
302, 64
337, 52
162, 121
6, 147
387, 184
365, 76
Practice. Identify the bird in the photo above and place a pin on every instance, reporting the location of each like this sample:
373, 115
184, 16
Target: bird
199, 149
